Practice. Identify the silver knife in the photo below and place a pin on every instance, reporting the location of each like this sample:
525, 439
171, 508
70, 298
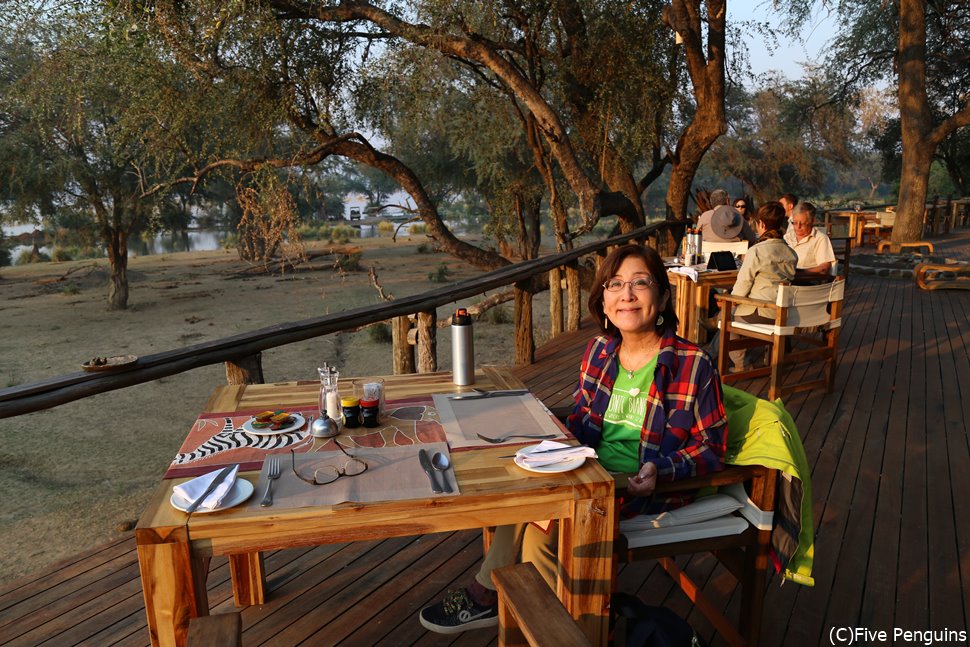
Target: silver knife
426, 466
220, 477
478, 395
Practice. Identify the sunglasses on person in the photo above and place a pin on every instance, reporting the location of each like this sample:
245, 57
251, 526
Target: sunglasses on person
740, 205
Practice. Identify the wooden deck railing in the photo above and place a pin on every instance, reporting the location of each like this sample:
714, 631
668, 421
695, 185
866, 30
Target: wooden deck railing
241, 353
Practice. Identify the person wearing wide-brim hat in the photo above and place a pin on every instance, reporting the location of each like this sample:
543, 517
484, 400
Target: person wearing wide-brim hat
724, 224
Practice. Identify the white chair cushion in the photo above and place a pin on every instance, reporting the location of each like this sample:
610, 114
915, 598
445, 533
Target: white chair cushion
708, 507
719, 527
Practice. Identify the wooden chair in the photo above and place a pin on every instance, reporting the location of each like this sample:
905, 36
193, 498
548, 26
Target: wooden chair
877, 230
745, 554
842, 247
800, 313
530, 613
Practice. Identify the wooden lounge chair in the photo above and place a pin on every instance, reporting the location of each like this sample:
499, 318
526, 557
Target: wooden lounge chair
942, 276
800, 313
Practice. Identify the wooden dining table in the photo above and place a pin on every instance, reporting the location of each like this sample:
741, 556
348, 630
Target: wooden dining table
174, 548
857, 222
692, 297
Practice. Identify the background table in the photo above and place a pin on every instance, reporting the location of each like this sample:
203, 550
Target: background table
691, 300
857, 220
173, 555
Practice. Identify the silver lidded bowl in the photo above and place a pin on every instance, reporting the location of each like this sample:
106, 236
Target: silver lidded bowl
324, 427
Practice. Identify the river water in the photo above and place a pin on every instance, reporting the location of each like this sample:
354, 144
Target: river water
194, 240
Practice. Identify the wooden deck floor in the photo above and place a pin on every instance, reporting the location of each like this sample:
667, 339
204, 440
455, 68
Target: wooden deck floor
890, 452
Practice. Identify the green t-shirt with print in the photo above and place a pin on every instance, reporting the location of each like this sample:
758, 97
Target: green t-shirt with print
619, 449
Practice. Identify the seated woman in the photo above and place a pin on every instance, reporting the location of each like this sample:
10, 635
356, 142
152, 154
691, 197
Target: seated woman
767, 264
648, 401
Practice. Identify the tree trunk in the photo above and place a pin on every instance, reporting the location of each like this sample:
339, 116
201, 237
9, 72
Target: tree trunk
525, 345
707, 79
117, 244
919, 138
914, 121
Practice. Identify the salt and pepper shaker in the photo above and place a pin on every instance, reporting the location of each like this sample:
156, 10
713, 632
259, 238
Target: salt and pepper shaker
330, 405
462, 348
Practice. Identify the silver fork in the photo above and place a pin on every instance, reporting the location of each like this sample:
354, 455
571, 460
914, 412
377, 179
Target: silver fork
502, 439
272, 472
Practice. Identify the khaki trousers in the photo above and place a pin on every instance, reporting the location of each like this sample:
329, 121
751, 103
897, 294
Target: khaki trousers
533, 543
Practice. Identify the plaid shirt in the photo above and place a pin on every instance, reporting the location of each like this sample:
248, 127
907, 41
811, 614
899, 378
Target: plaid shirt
685, 430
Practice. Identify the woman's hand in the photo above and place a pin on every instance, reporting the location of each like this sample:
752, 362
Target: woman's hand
643, 482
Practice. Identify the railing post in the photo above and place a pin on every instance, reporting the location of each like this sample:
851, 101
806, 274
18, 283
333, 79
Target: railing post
245, 370
525, 344
402, 349
427, 342
555, 301
573, 314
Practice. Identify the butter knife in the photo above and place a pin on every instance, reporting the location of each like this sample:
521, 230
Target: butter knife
426, 466
220, 477
478, 395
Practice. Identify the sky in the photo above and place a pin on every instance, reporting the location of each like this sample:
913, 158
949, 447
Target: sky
786, 57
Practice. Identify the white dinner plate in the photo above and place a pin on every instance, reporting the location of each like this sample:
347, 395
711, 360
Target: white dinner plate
553, 468
298, 422
241, 490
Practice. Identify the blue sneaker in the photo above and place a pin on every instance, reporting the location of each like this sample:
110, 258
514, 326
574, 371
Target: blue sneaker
458, 613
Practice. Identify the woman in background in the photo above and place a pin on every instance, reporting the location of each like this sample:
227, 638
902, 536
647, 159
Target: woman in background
767, 264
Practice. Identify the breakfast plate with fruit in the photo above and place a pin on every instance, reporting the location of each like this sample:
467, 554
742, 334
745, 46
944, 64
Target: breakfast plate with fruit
268, 423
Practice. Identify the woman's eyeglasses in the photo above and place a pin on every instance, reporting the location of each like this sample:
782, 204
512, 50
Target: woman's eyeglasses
740, 205
638, 285
330, 473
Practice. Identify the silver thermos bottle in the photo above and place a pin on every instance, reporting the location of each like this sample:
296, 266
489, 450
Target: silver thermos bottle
462, 348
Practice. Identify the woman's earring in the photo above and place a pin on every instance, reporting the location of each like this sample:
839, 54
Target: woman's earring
660, 320
606, 323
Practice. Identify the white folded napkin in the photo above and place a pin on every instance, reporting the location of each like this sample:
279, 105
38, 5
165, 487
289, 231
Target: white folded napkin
191, 490
534, 460
690, 271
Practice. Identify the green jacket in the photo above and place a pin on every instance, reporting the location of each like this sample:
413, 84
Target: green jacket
771, 439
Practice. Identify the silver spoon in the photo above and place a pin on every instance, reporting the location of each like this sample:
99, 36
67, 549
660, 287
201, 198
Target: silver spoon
441, 463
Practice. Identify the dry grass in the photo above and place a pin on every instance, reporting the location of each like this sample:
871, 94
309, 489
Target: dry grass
78, 474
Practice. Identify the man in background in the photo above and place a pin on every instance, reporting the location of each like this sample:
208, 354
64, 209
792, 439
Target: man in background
813, 247
788, 201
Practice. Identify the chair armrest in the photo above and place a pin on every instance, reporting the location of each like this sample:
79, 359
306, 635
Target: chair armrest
730, 474
730, 298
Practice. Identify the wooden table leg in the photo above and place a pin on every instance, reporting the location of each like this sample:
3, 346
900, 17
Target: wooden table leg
702, 295
585, 560
248, 579
173, 584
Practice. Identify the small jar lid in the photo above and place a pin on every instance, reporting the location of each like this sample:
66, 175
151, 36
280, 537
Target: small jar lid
370, 403
349, 401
